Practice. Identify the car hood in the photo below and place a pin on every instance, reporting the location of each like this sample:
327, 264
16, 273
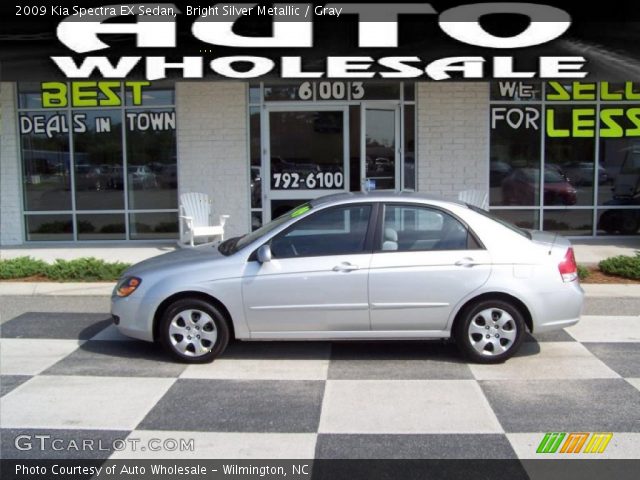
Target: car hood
181, 257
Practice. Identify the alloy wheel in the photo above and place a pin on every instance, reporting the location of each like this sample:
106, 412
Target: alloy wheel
492, 331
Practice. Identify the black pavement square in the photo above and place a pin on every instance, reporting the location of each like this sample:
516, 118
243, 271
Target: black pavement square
604, 405
9, 382
409, 360
457, 446
238, 406
53, 444
63, 325
118, 359
622, 358
277, 350
557, 336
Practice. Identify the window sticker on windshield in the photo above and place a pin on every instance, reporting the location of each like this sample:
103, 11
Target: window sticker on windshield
299, 211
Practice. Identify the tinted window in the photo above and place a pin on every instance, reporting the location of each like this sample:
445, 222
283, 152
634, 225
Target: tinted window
335, 231
409, 228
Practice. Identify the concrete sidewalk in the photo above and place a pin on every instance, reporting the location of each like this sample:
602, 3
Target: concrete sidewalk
592, 251
105, 289
107, 252
588, 251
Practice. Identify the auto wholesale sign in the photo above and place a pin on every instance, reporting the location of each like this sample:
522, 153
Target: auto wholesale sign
420, 40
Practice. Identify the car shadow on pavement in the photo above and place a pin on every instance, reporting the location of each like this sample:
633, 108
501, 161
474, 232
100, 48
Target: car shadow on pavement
351, 350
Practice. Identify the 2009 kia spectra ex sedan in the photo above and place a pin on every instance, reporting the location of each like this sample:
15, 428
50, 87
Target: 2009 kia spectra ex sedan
358, 266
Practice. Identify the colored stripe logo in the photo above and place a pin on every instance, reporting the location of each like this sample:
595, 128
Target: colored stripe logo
574, 442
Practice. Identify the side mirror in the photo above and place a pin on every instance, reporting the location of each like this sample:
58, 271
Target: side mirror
264, 254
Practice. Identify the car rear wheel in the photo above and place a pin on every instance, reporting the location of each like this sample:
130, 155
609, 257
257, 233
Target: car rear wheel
193, 331
489, 331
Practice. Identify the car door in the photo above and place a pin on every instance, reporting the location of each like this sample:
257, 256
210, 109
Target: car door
316, 280
425, 261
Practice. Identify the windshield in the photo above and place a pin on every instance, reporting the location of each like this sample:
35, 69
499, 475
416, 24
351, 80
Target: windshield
232, 245
501, 221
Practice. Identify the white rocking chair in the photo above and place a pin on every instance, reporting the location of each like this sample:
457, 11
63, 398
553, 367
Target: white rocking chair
195, 219
477, 198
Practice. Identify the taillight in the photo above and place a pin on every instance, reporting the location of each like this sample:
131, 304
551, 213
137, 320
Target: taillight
568, 267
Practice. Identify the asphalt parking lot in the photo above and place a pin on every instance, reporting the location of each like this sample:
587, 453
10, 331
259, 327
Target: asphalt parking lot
67, 374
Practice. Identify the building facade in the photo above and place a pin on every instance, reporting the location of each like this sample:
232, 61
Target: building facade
106, 161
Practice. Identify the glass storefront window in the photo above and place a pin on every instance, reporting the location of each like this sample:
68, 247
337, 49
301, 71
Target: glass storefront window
568, 222
44, 228
151, 159
256, 156
409, 174
590, 156
307, 150
614, 221
158, 94
46, 160
97, 153
514, 165
569, 159
29, 95
275, 93
101, 227
516, 91
521, 218
153, 226
89, 168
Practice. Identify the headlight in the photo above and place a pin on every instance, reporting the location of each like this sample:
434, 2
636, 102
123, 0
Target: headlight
127, 286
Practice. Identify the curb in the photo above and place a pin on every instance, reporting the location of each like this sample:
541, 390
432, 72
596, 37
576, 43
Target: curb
78, 289
52, 289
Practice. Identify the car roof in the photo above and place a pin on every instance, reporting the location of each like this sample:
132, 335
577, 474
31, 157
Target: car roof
353, 197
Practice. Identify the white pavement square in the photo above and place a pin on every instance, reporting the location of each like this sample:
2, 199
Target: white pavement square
30, 356
634, 381
406, 406
117, 403
546, 361
593, 328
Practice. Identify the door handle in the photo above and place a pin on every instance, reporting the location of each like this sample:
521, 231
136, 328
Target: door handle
345, 267
466, 262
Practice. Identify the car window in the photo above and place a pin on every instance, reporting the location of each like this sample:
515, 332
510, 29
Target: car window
414, 228
334, 231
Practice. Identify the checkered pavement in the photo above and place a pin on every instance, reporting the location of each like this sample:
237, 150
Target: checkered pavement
73, 377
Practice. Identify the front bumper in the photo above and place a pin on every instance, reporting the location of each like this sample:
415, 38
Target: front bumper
135, 317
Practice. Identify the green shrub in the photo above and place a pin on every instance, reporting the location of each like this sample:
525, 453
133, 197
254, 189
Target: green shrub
78, 270
623, 266
21, 267
85, 269
583, 272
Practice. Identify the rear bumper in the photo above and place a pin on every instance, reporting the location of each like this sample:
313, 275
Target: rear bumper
559, 308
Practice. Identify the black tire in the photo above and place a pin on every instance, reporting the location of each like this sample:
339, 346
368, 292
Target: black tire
465, 333
203, 319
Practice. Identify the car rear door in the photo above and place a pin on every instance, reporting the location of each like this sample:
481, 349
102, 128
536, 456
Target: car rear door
425, 261
317, 278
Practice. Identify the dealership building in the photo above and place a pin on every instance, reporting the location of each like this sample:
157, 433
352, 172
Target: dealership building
107, 161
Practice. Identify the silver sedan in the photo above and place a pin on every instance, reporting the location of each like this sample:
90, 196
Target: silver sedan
358, 266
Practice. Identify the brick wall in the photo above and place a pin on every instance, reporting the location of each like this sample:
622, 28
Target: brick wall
453, 137
212, 147
10, 218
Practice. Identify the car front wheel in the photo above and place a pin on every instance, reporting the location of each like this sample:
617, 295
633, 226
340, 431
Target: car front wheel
193, 331
489, 331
